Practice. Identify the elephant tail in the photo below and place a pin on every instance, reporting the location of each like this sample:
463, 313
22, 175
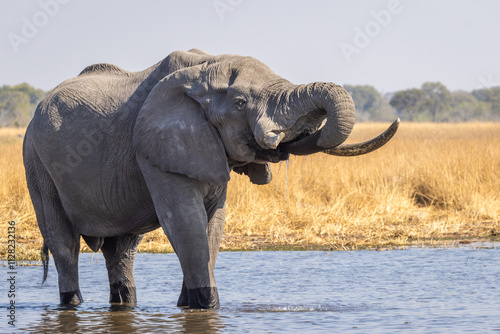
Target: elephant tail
45, 261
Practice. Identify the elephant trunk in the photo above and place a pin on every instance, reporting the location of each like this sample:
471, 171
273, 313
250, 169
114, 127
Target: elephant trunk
315, 102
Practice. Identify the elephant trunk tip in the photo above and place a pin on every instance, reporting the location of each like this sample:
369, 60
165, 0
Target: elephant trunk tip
272, 140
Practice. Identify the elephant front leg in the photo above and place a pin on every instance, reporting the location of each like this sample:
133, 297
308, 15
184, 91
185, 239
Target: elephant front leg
180, 206
119, 253
199, 290
215, 230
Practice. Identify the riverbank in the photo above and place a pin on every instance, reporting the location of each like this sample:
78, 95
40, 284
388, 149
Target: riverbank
432, 184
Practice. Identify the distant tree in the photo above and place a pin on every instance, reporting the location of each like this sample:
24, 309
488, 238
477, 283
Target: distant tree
466, 107
490, 97
484, 94
14, 108
438, 101
36, 95
495, 101
408, 103
370, 105
18, 103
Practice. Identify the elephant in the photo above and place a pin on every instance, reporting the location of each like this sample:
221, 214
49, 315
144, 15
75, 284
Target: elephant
111, 155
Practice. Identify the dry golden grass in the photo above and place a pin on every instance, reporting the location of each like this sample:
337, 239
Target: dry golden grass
432, 183
15, 202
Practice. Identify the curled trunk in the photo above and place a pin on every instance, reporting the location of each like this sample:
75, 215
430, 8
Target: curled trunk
320, 101
311, 105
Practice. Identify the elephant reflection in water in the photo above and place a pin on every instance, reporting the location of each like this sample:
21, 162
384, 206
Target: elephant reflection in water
124, 318
111, 155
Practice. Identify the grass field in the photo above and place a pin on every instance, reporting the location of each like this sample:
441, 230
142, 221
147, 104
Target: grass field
432, 184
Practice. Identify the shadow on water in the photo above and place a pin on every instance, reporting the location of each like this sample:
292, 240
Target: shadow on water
125, 319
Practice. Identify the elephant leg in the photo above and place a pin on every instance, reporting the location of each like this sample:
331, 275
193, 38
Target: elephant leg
179, 203
55, 227
215, 229
119, 253
66, 261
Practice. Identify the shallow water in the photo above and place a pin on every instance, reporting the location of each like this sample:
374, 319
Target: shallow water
413, 290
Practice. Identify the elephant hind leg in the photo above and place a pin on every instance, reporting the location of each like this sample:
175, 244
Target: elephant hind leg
54, 225
119, 253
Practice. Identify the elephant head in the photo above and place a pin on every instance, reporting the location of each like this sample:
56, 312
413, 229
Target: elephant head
214, 113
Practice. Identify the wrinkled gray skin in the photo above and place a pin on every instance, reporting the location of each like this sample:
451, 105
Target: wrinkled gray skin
111, 155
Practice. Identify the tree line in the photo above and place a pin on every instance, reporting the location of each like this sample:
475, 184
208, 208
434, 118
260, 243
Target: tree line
432, 102
18, 104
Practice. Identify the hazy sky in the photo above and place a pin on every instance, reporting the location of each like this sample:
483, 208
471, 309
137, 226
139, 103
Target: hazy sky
389, 44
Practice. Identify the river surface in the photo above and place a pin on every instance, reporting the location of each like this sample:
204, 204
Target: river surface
418, 290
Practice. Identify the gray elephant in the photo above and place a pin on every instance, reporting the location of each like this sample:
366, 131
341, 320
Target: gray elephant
111, 155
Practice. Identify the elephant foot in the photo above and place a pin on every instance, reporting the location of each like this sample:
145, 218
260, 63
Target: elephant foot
183, 300
71, 298
122, 294
200, 298
203, 298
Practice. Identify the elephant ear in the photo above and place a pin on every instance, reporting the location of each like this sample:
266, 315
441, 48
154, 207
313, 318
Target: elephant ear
173, 133
258, 173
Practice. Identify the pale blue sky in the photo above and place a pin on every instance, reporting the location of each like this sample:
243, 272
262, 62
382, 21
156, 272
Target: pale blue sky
389, 44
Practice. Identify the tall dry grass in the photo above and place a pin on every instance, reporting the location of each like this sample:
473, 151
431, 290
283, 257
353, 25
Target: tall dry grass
432, 182
15, 203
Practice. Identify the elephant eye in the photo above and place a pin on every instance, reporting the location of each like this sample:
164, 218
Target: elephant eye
240, 103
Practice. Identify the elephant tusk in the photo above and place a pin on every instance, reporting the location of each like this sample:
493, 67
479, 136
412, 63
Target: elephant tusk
350, 150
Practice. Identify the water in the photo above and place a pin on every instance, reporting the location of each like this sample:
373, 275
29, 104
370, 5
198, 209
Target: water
414, 290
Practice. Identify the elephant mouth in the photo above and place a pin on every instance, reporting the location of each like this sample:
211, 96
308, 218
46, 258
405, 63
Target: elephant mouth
303, 127
279, 153
268, 155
